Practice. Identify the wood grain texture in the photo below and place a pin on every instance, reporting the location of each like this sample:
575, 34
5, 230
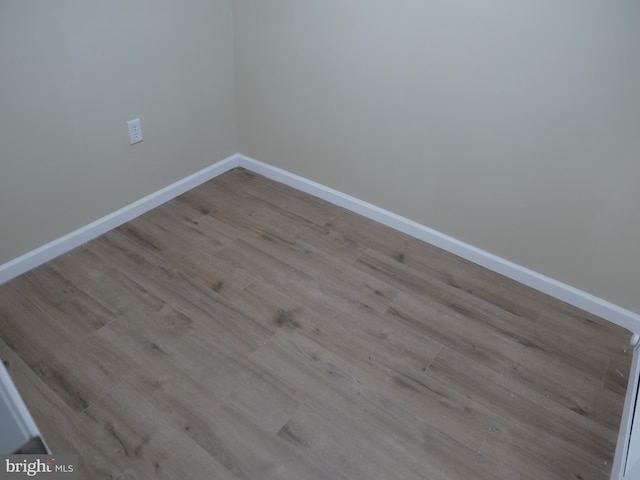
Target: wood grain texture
246, 330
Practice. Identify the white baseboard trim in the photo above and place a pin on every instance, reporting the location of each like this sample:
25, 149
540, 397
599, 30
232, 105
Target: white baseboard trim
554, 288
68, 242
542, 283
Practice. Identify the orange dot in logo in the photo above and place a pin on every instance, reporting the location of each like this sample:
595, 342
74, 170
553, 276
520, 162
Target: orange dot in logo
48, 462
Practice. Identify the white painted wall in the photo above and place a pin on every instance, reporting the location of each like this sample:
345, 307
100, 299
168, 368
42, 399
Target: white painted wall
72, 73
512, 126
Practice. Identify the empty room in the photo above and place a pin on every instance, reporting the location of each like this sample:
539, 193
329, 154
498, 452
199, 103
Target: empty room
319, 239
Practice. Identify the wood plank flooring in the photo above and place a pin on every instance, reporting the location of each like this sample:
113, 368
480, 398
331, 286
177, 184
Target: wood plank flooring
246, 330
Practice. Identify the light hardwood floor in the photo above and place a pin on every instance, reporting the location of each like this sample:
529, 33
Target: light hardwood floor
246, 330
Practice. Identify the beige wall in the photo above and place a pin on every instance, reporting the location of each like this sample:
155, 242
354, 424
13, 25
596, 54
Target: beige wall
513, 126
72, 73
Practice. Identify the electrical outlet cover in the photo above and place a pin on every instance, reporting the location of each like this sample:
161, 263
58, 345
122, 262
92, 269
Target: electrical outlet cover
135, 131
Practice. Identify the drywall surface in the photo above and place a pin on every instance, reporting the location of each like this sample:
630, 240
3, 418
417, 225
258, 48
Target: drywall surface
512, 126
72, 73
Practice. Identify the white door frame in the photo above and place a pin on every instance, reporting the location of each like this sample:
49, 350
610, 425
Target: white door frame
626, 463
